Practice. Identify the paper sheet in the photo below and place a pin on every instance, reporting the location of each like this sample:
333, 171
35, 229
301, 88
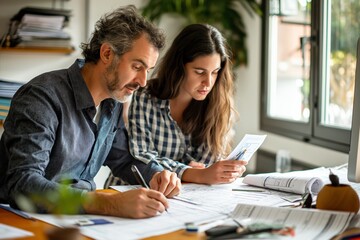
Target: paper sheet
9, 232
308, 223
221, 198
288, 183
299, 181
216, 202
176, 217
247, 147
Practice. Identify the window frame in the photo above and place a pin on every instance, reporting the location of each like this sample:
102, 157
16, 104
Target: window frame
312, 132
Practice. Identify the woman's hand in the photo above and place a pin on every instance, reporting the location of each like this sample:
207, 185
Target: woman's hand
194, 164
166, 182
225, 171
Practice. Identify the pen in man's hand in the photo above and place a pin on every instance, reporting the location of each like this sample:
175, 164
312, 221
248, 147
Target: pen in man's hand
140, 178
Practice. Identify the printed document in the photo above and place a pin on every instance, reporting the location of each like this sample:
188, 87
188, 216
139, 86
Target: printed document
285, 182
247, 147
9, 232
214, 202
308, 223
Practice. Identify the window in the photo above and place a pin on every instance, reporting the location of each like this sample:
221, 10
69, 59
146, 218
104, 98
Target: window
308, 69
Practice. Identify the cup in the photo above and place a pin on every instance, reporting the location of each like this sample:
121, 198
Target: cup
283, 161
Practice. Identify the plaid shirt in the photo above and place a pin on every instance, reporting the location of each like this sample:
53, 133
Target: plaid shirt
155, 135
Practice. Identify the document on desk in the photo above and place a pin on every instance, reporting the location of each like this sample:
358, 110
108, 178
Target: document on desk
308, 223
128, 229
247, 147
10, 232
223, 198
295, 182
215, 202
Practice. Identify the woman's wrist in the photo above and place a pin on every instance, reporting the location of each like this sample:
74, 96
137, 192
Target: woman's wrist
193, 175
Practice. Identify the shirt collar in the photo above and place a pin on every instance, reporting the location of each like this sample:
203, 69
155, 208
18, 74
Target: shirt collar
82, 95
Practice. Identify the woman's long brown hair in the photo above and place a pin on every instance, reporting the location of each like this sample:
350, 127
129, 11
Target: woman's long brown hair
208, 121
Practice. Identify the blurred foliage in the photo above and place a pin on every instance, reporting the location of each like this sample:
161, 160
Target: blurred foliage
64, 200
343, 65
226, 15
345, 25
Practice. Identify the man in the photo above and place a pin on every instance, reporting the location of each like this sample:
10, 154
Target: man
68, 123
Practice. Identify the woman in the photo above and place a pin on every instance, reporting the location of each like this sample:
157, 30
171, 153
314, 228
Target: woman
182, 119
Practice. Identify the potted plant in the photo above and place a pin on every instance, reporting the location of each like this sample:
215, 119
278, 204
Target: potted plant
59, 202
224, 15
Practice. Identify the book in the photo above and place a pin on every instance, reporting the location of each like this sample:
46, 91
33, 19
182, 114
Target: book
5, 102
7, 91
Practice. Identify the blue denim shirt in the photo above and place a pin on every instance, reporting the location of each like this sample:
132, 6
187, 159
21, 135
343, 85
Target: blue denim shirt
49, 134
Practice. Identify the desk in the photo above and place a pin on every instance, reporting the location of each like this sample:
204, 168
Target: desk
39, 228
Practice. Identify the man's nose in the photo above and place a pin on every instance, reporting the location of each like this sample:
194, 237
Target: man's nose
142, 78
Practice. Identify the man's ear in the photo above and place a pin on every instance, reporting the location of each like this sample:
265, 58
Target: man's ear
106, 53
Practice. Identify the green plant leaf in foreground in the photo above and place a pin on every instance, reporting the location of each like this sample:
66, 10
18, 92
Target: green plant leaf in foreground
64, 200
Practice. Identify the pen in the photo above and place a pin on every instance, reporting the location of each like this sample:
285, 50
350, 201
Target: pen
140, 178
17, 212
240, 154
248, 190
185, 200
192, 227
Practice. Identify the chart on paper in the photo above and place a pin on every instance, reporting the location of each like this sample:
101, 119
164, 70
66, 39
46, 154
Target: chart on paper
247, 147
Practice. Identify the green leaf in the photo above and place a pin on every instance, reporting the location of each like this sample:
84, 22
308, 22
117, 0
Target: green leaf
222, 14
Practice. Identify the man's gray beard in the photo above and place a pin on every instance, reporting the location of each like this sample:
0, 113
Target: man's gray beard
124, 99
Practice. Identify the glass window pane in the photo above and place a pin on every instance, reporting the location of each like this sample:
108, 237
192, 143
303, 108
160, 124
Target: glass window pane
341, 32
289, 61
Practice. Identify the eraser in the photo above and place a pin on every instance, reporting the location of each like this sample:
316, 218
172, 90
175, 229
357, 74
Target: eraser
89, 222
191, 227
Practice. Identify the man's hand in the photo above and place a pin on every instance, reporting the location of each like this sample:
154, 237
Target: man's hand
138, 203
166, 182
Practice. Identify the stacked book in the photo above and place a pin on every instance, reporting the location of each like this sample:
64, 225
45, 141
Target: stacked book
7, 91
42, 28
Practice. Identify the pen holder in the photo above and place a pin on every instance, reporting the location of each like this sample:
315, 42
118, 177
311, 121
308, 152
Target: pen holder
339, 198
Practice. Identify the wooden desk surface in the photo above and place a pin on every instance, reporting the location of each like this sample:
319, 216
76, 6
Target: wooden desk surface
39, 228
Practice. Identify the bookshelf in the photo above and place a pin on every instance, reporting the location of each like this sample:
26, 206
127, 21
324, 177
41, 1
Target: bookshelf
22, 63
38, 50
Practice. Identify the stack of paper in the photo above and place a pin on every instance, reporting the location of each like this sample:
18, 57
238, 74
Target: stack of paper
211, 203
42, 28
